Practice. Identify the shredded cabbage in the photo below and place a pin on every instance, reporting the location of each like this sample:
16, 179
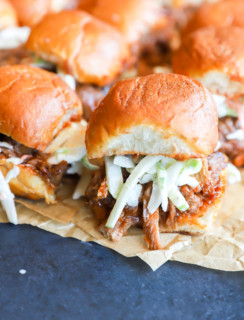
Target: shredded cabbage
177, 198
166, 174
6, 145
233, 174
70, 80
114, 177
223, 108
6, 196
69, 155
162, 185
133, 199
143, 166
82, 184
87, 164
155, 199
13, 37
75, 168
236, 135
15, 160
124, 161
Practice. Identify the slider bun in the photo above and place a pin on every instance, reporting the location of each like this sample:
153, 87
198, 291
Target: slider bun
8, 17
222, 13
35, 105
132, 18
30, 12
89, 49
215, 57
28, 183
201, 222
164, 114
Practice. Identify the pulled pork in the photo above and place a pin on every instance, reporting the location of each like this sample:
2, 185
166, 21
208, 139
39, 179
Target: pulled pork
51, 174
203, 195
18, 55
234, 149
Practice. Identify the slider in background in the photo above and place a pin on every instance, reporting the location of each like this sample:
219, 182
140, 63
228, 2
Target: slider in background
143, 24
218, 14
157, 135
12, 36
214, 56
30, 12
88, 49
165, 36
39, 113
16, 18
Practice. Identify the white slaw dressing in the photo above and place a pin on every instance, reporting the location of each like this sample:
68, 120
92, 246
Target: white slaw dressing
13, 37
6, 196
223, 107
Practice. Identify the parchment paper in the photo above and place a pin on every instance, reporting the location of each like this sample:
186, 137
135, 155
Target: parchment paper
221, 248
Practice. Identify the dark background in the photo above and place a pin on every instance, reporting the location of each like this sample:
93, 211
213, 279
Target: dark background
69, 279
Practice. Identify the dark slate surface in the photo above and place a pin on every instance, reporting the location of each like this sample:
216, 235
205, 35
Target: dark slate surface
67, 279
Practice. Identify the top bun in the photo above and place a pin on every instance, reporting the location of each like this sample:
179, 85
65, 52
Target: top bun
222, 13
35, 105
30, 12
214, 56
164, 114
89, 49
8, 17
132, 18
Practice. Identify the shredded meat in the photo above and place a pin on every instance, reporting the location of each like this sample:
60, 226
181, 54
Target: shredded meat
150, 222
102, 203
130, 217
51, 174
234, 149
158, 45
21, 55
18, 55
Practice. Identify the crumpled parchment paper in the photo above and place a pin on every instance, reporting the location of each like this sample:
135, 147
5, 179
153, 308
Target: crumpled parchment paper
221, 248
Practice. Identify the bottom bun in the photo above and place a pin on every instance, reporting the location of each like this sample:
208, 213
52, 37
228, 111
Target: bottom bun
28, 183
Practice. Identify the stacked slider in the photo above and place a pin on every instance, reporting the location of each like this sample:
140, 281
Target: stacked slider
157, 135
217, 14
36, 110
214, 56
81, 46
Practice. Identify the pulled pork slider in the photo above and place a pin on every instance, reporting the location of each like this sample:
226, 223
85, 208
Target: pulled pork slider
157, 135
218, 14
30, 12
11, 36
36, 107
91, 51
214, 56
133, 18
8, 17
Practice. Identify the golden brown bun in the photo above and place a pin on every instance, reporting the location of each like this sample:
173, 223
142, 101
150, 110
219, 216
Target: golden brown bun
28, 183
30, 12
8, 17
34, 105
81, 45
214, 56
163, 114
133, 18
221, 13
202, 222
